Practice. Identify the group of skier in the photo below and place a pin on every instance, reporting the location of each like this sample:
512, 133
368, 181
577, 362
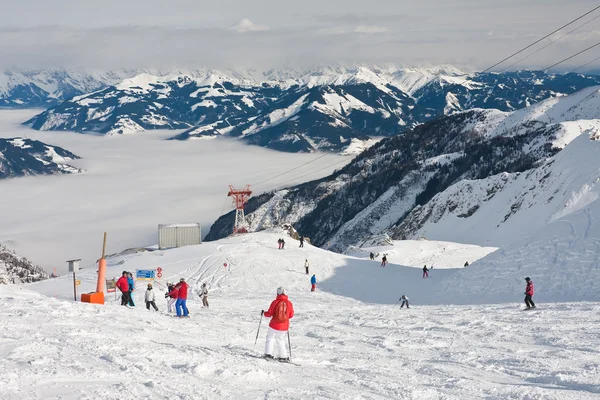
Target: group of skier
281, 243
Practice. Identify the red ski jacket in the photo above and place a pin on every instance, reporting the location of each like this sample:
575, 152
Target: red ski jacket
280, 324
529, 288
174, 293
122, 284
182, 290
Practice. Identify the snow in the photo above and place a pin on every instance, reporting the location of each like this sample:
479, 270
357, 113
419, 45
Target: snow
357, 146
132, 183
348, 338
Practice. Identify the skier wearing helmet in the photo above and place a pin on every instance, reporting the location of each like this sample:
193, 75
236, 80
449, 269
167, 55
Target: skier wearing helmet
280, 312
180, 304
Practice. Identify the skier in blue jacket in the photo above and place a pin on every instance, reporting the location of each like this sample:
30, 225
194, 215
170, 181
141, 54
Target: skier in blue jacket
131, 284
313, 283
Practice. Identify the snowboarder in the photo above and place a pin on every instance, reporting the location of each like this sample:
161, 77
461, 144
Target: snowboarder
123, 286
372, 256
150, 298
279, 242
204, 295
171, 297
404, 300
301, 241
425, 272
181, 303
384, 260
306, 265
131, 284
529, 294
280, 312
313, 283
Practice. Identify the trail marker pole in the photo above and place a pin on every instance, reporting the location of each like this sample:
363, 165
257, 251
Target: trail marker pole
74, 267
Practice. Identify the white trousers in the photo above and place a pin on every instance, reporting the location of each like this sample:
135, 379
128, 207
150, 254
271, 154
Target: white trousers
171, 305
276, 339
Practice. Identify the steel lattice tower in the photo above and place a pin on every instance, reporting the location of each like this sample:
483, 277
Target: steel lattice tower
240, 197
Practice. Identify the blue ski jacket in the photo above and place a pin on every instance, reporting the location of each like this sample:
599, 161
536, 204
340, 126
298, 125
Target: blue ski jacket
131, 284
313, 280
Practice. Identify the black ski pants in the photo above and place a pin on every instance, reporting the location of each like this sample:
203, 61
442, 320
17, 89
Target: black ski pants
528, 302
125, 298
151, 303
403, 303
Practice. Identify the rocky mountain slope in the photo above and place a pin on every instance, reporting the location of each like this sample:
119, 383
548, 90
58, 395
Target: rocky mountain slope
15, 269
22, 157
441, 170
323, 109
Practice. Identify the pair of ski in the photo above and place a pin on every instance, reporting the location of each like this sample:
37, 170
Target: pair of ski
273, 359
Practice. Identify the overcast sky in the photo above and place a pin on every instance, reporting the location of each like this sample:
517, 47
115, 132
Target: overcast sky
265, 34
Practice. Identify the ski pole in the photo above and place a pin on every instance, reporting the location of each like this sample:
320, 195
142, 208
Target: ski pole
396, 303
258, 331
289, 344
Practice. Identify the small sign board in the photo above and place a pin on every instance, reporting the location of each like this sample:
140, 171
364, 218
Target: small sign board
77, 282
145, 274
73, 265
111, 285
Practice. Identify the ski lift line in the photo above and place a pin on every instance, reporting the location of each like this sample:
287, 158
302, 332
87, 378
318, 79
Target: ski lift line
293, 169
310, 173
574, 55
309, 170
539, 40
586, 64
553, 41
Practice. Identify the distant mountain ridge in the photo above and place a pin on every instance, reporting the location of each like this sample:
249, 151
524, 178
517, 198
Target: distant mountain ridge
24, 157
15, 269
324, 109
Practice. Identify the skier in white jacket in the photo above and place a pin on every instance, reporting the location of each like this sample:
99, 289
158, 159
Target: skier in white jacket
204, 295
150, 298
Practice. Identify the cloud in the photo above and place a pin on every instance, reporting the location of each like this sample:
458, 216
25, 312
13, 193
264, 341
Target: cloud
370, 29
245, 25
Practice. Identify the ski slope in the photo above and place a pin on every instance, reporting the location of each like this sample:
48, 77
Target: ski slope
348, 337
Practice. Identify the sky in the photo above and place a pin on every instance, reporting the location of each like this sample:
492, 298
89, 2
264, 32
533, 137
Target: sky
265, 34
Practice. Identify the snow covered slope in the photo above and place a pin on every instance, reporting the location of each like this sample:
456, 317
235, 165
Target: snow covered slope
345, 347
21, 157
502, 207
15, 269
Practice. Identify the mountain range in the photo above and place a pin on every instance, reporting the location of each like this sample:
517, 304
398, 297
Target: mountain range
23, 157
321, 109
473, 176
15, 269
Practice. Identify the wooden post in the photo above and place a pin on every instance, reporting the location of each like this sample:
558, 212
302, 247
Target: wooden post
74, 287
104, 246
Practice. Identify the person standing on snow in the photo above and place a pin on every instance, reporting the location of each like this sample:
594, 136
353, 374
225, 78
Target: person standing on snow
181, 303
123, 286
372, 256
313, 283
529, 294
301, 241
282, 244
279, 243
204, 295
280, 311
425, 272
131, 284
306, 265
171, 297
404, 300
384, 260
150, 298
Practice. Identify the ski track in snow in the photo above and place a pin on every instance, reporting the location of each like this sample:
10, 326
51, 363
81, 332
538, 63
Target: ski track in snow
349, 339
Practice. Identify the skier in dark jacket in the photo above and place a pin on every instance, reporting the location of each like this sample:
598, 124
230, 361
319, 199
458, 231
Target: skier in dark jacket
279, 241
404, 300
372, 256
425, 272
384, 260
301, 241
529, 294
282, 244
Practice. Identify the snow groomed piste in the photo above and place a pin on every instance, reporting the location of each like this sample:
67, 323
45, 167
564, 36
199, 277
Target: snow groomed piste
348, 338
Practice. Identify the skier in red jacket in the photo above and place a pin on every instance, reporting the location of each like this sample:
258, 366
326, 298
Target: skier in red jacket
280, 312
181, 303
123, 286
529, 294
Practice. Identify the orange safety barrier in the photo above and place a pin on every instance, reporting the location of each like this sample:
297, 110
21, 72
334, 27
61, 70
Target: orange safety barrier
94, 298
